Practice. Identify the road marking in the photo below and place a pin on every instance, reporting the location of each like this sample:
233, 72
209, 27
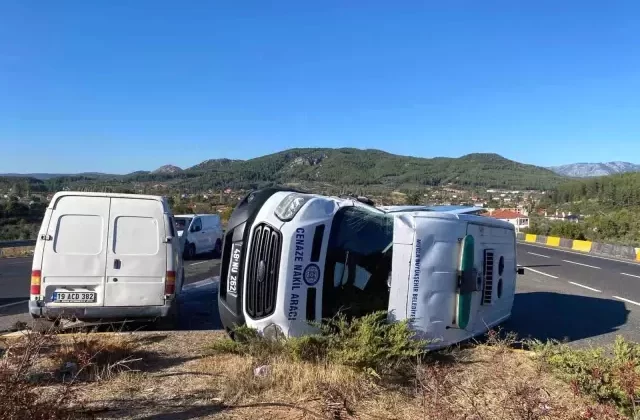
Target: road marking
13, 304
586, 287
539, 255
201, 262
540, 272
586, 265
584, 254
630, 275
627, 300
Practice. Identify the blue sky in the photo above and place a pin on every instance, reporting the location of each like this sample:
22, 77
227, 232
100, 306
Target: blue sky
117, 86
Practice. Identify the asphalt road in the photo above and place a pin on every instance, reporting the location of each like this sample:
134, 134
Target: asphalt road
566, 296
578, 298
606, 277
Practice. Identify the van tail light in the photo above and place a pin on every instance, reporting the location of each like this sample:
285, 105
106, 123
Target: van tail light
170, 283
36, 277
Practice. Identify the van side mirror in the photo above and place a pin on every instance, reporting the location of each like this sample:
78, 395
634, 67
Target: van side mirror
196, 229
520, 270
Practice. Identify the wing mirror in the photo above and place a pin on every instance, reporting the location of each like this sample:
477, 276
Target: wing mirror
520, 270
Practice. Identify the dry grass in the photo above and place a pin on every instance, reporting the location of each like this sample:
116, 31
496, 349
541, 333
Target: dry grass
155, 376
15, 252
481, 382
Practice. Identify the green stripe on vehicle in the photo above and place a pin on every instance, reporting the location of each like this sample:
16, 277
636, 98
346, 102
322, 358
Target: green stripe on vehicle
466, 263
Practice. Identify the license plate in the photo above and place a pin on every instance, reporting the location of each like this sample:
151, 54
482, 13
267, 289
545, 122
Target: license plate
234, 268
74, 297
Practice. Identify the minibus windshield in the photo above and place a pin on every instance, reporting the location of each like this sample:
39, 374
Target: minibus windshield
358, 263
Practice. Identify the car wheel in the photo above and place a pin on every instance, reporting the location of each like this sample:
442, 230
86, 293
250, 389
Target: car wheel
189, 252
218, 249
169, 322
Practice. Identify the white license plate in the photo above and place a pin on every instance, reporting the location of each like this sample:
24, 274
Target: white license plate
74, 297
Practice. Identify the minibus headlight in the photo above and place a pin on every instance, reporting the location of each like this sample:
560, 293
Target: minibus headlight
273, 332
290, 206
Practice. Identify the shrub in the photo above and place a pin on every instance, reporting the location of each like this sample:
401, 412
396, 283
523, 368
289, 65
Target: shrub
370, 343
608, 379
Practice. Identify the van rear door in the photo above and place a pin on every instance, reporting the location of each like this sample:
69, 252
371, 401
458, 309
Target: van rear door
74, 256
137, 253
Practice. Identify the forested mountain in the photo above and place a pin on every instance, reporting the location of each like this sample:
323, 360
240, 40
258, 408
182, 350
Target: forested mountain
373, 167
614, 191
610, 204
349, 167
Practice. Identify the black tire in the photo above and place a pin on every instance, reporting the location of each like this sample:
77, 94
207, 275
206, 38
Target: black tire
217, 251
189, 251
169, 322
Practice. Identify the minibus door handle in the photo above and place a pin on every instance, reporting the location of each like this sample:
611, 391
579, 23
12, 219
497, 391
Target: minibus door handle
116, 264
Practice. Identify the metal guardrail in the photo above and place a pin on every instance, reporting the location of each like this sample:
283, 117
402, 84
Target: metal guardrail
11, 244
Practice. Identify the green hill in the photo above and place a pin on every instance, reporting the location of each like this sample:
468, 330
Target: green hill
334, 167
374, 167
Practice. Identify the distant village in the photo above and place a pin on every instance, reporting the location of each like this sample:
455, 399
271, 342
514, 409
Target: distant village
513, 206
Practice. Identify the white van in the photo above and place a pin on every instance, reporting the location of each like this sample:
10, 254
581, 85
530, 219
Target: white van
291, 259
199, 233
106, 256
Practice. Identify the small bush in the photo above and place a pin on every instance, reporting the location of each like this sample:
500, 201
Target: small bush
369, 343
372, 342
608, 379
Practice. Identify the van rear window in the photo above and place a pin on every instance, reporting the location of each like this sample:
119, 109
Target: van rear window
135, 235
79, 234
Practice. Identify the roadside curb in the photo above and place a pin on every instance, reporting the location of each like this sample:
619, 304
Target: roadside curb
572, 251
618, 252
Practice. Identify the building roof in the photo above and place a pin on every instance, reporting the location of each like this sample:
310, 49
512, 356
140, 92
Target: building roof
506, 214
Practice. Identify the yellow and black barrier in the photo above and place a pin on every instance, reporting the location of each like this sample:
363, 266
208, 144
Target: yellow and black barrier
588, 247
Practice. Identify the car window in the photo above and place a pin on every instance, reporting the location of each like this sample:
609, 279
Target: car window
182, 222
197, 224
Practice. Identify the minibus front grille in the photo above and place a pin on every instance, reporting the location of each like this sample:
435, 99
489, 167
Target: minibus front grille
263, 271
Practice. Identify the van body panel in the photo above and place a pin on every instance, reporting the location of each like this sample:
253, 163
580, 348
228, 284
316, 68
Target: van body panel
119, 246
433, 277
495, 303
136, 257
74, 255
173, 251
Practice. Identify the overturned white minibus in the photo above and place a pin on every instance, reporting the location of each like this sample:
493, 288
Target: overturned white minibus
290, 258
